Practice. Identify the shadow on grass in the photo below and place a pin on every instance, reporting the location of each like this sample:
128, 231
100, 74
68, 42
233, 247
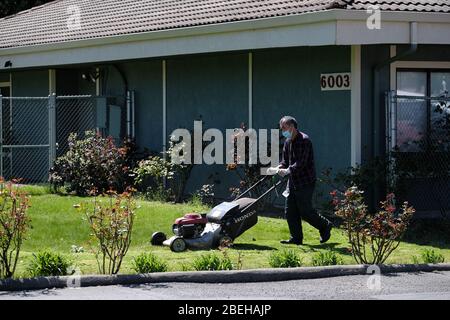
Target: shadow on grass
432, 232
329, 246
247, 246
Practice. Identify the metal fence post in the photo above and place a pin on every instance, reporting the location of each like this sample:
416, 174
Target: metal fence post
133, 115
389, 137
1, 136
52, 129
128, 102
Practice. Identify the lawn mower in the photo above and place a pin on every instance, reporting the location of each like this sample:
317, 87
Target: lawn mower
221, 226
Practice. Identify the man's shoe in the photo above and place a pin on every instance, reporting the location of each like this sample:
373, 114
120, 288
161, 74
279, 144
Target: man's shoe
326, 234
292, 241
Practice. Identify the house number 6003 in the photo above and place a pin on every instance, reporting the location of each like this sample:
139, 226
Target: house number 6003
335, 81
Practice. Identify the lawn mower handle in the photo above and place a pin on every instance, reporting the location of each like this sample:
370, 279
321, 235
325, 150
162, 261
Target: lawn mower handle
265, 194
252, 187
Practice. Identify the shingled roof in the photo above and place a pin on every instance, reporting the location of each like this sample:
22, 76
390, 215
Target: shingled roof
48, 23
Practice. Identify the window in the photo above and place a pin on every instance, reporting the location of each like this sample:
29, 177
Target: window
423, 108
5, 90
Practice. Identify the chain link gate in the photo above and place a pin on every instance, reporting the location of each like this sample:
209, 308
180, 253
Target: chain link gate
24, 139
34, 130
418, 145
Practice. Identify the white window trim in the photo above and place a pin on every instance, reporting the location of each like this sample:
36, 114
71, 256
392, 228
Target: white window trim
164, 105
250, 90
51, 81
415, 65
356, 106
410, 65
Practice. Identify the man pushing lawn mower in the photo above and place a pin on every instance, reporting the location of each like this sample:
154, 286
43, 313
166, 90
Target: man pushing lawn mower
229, 220
298, 164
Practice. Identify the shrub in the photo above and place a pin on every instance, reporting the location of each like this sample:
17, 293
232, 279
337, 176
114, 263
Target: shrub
212, 262
327, 258
148, 263
151, 175
111, 220
204, 196
94, 163
285, 259
160, 194
186, 267
165, 176
373, 237
47, 263
14, 224
415, 260
431, 256
368, 177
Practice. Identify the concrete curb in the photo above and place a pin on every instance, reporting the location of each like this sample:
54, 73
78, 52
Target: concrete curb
260, 275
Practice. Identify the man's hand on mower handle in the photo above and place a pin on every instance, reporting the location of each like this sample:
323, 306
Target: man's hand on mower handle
279, 170
274, 170
284, 172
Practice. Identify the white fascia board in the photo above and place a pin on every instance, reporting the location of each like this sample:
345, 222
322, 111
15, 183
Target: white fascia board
434, 33
332, 27
265, 23
433, 28
313, 34
390, 16
230, 27
350, 32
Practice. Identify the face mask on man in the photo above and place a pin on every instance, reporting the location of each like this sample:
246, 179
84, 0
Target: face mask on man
287, 134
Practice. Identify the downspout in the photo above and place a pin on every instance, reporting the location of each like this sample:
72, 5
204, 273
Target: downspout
129, 104
376, 96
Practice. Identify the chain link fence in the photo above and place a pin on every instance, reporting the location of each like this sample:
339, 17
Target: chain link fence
34, 130
84, 113
419, 148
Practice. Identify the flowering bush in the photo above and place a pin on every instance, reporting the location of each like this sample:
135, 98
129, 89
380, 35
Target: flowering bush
14, 224
111, 220
92, 163
373, 237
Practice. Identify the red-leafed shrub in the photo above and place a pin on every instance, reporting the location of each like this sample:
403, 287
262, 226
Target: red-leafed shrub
14, 224
111, 220
92, 163
373, 237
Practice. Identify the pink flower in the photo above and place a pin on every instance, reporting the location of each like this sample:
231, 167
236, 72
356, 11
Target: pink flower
390, 209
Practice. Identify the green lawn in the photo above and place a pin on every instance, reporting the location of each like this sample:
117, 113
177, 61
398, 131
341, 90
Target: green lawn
58, 226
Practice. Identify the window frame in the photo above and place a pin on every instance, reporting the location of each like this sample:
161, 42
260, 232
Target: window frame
428, 72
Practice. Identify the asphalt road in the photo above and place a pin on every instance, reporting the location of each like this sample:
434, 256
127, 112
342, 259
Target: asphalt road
421, 286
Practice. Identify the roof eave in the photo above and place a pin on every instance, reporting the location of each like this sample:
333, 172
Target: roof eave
273, 22
330, 27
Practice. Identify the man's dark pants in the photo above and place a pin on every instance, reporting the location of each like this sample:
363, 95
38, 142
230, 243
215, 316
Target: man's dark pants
299, 207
